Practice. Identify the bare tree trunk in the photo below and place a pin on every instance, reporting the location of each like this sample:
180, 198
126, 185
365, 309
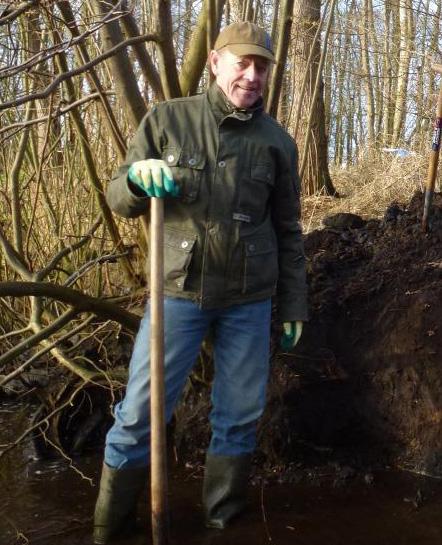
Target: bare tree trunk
311, 137
166, 51
146, 64
121, 68
406, 44
92, 172
281, 56
367, 73
196, 55
83, 57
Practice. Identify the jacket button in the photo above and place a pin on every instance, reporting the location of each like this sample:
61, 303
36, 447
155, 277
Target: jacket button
184, 244
192, 162
170, 158
222, 164
252, 247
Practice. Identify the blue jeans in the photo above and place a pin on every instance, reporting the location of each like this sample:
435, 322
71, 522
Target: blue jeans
241, 359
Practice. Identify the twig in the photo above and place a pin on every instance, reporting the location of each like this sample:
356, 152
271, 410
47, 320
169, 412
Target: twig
264, 516
66, 457
41, 422
69, 249
97, 261
77, 71
38, 337
14, 333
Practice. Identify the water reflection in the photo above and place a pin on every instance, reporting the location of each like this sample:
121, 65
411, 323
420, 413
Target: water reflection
49, 502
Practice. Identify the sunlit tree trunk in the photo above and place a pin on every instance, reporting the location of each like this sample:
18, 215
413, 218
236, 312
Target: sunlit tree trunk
367, 72
311, 115
406, 44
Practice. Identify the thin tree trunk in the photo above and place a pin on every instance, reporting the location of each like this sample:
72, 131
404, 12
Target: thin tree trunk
406, 44
92, 172
120, 67
281, 56
196, 55
367, 73
311, 137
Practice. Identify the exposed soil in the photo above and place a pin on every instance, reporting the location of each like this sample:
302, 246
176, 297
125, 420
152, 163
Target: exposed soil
366, 379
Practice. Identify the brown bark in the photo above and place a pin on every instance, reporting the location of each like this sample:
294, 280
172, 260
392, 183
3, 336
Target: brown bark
311, 136
281, 56
79, 301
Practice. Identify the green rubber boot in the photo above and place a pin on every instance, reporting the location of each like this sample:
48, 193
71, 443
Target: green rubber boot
225, 488
116, 507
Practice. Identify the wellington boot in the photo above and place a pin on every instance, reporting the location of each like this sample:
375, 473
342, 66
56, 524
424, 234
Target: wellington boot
225, 488
115, 510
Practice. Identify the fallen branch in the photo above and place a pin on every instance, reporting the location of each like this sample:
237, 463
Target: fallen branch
80, 301
32, 341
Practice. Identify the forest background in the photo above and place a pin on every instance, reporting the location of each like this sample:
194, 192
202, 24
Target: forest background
353, 84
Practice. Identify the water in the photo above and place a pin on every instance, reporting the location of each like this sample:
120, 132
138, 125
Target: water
49, 502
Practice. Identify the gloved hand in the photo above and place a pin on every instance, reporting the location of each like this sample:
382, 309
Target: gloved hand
154, 177
291, 334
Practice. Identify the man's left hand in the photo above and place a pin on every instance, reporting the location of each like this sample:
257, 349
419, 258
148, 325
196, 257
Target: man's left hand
291, 334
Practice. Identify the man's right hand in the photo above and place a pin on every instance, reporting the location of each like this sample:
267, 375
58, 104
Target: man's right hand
153, 177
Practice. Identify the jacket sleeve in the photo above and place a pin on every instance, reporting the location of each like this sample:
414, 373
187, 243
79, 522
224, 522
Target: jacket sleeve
291, 292
122, 196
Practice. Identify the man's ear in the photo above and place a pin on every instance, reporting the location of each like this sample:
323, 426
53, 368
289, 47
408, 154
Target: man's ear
213, 61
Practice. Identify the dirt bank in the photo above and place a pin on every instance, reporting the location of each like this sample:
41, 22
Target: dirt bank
366, 379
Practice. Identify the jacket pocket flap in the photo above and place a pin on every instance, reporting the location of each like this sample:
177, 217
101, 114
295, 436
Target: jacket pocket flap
262, 173
181, 157
171, 156
259, 246
192, 159
177, 239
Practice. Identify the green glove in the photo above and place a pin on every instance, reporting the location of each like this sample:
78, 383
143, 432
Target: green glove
291, 335
153, 177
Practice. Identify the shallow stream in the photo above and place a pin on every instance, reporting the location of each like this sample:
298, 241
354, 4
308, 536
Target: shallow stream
51, 502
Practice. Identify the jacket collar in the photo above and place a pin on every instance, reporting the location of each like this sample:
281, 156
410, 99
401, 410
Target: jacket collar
223, 108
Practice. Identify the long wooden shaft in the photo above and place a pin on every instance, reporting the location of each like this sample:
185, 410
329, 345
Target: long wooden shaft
434, 159
157, 388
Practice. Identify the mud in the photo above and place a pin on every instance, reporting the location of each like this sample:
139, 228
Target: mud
46, 502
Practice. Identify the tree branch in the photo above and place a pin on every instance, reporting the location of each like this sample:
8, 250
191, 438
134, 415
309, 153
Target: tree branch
76, 71
80, 301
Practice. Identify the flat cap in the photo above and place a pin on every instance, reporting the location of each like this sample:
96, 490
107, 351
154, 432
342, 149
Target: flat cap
245, 38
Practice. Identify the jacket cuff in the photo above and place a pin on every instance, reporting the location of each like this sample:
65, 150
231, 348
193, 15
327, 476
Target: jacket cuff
292, 307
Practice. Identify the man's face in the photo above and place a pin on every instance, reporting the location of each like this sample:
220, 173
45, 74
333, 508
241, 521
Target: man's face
242, 78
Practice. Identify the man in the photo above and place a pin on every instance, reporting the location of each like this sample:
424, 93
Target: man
228, 174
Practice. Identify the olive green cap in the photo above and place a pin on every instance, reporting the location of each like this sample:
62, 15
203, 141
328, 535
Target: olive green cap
245, 38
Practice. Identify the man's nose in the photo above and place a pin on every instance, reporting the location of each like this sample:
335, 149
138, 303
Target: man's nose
251, 72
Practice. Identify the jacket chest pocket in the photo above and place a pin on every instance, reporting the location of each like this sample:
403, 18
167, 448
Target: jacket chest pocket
256, 187
178, 252
187, 168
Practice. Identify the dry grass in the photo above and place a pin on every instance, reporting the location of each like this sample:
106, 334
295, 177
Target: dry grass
368, 188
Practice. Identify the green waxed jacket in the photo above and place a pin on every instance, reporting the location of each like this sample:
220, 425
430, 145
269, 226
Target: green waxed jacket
233, 234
